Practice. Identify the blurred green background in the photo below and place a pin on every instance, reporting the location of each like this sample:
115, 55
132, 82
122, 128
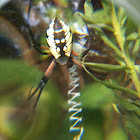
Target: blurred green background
22, 67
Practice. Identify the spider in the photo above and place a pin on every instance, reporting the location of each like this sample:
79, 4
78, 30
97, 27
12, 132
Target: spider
59, 40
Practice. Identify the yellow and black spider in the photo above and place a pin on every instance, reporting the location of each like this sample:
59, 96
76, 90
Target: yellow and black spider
60, 44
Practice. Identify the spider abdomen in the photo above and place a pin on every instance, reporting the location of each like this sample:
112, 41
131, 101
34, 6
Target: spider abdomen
59, 39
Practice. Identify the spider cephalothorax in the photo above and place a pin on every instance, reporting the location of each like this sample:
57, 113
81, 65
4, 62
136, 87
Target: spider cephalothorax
59, 39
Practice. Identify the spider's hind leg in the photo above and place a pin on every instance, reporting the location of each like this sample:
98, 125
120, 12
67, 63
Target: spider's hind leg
42, 83
40, 88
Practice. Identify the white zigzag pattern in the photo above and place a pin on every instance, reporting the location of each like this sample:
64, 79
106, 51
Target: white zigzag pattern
75, 106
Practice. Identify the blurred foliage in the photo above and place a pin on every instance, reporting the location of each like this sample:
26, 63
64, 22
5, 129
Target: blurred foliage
128, 98
50, 120
131, 7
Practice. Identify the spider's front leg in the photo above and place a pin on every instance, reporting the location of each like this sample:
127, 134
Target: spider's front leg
82, 36
88, 43
84, 53
42, 83
33, 42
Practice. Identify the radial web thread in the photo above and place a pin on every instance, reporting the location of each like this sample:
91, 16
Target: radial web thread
75, 106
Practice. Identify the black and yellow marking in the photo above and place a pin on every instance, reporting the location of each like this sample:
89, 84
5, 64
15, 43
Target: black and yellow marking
59, 39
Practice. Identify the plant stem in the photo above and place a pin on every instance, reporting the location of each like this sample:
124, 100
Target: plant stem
108, 84
121, 41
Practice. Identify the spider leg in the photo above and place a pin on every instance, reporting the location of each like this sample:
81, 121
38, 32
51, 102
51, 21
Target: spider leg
42, 83
77, 63
37, 99
74, 53
29, 10
40, 88
88, 46
33, 42
84, 53
89, 41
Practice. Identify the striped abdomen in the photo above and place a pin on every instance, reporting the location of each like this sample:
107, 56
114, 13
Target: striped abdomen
59, 39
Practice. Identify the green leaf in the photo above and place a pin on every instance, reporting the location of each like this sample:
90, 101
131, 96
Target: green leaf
109, 84
101, 25
88, 8
123, 23
131, 111
134, 119
129, 105
137, 67
101, 33
122, 18
100, 16
132, 36
106, 67
117, 28
131, 7
136, 49
133, 123
86, 18
133, 129
106, 6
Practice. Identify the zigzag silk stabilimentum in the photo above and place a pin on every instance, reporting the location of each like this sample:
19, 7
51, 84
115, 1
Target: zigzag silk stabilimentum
75, 105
